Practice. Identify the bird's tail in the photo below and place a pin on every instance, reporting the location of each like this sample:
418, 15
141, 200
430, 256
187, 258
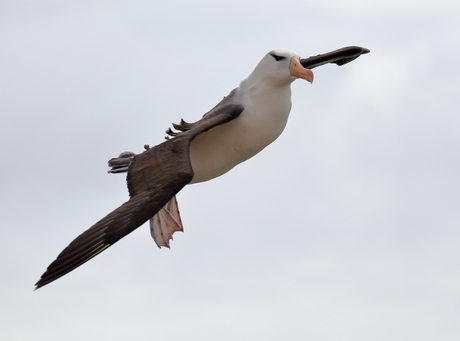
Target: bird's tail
121, 163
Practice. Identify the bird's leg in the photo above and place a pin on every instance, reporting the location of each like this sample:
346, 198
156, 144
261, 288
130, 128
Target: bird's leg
165, 223
121, 163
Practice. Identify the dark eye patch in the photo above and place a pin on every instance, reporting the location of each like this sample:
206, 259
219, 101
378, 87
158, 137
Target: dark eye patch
277, 58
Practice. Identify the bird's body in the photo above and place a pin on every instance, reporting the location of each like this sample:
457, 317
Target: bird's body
266, 111
251, 117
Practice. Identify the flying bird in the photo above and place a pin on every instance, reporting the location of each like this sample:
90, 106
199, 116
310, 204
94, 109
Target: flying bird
246, 121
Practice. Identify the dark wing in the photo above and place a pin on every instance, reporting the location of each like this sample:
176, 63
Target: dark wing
154, 177
217, 111
340, 57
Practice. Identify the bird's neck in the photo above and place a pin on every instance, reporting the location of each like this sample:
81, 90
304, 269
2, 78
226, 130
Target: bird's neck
267, 107
255, 87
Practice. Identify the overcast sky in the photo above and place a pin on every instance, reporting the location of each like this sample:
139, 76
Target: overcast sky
345, 228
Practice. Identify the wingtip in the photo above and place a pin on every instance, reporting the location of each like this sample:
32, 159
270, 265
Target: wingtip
38, 285
41, 282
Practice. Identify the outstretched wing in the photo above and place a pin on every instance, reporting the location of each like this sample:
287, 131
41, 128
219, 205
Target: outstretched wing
154, 177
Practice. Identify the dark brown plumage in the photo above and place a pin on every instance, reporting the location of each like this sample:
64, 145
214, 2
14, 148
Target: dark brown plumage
154, 177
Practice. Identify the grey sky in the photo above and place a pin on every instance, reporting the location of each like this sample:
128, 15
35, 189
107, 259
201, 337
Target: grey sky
346, 228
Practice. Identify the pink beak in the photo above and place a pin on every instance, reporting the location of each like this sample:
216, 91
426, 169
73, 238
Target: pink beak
297, 70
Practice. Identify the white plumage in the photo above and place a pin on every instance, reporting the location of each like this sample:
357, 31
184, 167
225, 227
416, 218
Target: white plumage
266, 97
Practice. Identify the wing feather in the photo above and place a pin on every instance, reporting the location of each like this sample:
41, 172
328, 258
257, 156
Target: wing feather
154, 177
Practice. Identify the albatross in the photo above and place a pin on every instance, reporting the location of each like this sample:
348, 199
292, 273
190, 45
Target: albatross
246, 121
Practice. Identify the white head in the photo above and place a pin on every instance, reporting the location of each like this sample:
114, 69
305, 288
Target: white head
281, 66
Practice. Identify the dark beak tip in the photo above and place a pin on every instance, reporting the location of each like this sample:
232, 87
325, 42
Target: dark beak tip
340, 57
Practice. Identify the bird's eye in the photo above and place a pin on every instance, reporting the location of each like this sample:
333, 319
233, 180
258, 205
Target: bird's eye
277, 58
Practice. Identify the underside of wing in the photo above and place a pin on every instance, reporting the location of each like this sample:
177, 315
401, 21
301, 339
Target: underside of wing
99, 237
154, 178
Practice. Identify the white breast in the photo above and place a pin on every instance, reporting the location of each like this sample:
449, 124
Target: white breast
220, 149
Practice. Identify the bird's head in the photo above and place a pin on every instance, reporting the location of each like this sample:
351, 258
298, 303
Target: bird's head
282, 66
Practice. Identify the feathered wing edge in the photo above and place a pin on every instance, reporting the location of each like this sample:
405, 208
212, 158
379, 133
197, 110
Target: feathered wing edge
154, 177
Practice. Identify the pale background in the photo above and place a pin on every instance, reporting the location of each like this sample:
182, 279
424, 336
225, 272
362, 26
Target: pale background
346, 228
